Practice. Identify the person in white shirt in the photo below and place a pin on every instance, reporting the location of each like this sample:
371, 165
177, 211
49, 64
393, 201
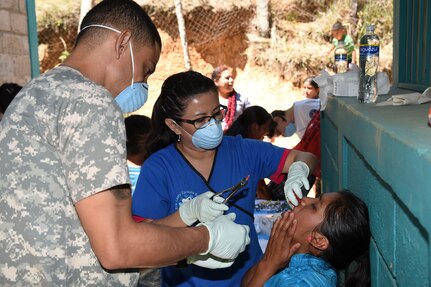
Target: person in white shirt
295, 119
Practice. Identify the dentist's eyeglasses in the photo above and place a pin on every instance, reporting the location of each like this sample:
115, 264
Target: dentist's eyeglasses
203, 122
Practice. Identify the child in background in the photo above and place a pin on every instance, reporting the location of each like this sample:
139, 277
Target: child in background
253, 123
339, 33
295, 119
310, 245
137, 129
235, 102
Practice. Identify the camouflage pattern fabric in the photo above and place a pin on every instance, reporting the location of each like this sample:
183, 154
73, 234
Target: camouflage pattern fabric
62, 139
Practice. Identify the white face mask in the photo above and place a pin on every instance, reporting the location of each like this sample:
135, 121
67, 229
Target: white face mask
208, 137
134, 96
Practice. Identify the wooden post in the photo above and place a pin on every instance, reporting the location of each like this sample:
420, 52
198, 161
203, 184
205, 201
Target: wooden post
183, 36
354, 19
262, 14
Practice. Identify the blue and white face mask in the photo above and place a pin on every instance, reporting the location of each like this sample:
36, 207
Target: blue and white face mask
208, 137
289, 130
134, 96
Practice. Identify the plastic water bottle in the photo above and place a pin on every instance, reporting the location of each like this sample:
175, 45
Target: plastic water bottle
369, 63
341, 64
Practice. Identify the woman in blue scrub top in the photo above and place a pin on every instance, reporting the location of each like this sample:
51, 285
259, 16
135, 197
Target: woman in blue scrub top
189, 155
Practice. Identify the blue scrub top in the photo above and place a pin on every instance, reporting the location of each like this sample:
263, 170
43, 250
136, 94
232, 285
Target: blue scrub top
167, 179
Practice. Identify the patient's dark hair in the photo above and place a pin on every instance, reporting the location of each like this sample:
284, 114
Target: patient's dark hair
346, 225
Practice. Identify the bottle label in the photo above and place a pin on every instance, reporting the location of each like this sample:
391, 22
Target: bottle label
369, 50
340, 57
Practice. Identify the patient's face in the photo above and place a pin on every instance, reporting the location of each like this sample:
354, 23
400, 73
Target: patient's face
310, 213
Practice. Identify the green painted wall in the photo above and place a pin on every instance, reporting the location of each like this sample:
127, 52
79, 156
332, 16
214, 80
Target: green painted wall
32, 38
383, 154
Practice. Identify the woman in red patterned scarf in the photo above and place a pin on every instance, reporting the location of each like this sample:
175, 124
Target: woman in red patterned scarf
236, 103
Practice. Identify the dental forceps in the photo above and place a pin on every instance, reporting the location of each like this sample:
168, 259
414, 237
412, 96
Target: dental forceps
233, 189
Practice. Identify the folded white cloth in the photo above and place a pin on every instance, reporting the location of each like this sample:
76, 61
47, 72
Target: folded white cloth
408, 99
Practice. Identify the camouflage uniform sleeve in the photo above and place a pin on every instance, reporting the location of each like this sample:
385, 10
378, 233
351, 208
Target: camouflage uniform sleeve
92, 146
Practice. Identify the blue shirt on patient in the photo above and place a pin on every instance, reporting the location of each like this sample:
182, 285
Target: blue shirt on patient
305, 270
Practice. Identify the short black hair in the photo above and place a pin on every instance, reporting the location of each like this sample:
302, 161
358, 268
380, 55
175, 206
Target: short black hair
137, 129
120, 15
278, 113
8, 92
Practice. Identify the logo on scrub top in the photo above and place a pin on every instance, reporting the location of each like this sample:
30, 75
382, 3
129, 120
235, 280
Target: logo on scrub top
312, 113
184, 196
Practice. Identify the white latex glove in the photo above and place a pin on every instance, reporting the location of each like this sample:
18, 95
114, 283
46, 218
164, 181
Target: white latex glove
227, 239
202, 208
296, 178
210, 261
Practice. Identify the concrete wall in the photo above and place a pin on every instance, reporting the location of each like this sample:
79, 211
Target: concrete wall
14, 44
383, 154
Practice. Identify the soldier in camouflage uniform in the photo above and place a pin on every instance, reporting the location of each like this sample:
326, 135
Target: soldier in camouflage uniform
65, 204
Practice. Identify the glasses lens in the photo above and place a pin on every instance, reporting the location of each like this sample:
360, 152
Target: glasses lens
202, 122
218, 117
220, 114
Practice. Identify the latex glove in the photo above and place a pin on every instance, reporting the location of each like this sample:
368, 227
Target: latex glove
227, 239
202, 208
210, 261
296, 178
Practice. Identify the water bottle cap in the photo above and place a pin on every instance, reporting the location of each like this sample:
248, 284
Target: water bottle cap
370, 28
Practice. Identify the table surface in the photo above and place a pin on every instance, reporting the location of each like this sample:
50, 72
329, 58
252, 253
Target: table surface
265, 213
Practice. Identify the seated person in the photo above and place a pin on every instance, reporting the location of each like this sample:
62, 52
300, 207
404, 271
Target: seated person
311, 243
137, 129
295, 119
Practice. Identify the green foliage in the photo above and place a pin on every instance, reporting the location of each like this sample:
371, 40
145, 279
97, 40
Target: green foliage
302, 35
64, 55
379, 13
56, 14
